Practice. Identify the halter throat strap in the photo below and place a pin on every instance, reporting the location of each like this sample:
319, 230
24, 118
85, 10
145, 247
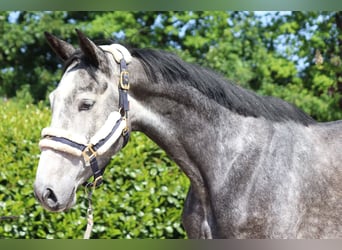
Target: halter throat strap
122, 56
123, 97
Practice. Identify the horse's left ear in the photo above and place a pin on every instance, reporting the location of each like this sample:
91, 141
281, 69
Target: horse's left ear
89, 48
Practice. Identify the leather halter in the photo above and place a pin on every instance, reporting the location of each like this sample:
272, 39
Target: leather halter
89, 150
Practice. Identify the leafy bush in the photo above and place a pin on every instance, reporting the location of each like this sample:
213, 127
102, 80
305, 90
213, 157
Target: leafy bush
142, 195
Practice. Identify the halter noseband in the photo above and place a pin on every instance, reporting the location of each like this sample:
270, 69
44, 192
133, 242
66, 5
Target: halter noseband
114, 127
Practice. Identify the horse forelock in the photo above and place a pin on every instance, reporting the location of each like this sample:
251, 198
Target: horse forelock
87, 64
166, 68
91, 84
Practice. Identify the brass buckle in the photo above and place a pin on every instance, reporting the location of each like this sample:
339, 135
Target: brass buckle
89, 153
125, 131
123, 85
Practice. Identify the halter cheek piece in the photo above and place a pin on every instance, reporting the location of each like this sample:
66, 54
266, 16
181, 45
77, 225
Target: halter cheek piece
115, 126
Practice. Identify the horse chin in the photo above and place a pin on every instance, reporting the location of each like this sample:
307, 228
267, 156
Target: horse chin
62, 207
59, 207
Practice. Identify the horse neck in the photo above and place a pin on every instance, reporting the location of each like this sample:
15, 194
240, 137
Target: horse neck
182, 121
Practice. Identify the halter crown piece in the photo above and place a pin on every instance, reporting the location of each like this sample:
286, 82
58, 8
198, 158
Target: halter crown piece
114, 127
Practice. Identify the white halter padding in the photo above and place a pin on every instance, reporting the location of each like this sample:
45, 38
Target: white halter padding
118, 51
103, 134
46, 143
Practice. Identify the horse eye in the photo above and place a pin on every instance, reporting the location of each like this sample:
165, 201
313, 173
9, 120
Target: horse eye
86, 104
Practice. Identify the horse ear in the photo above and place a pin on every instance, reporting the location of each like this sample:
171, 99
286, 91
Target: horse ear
90, 50
63, 49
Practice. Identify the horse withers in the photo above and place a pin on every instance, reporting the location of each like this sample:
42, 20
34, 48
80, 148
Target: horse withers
258, 166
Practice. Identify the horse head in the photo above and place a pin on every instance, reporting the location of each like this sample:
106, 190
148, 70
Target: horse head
87, 127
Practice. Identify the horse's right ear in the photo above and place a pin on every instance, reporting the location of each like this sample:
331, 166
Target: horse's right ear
63, 49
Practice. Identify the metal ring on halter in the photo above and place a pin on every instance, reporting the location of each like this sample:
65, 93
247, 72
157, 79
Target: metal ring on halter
89, 153
98, 179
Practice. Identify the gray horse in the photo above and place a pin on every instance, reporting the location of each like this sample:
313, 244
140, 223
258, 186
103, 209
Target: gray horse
258, 166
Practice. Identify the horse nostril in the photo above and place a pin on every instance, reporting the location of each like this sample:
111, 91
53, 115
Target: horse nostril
50, 198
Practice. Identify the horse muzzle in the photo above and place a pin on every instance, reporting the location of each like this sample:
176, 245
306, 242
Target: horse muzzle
53, 202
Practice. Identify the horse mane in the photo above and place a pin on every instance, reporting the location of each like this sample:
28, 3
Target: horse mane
216, 87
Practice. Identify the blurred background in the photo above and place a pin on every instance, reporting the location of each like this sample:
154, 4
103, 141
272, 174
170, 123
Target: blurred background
296, 56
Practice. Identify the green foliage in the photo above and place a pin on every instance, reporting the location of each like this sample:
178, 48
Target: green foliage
251, 49
23, 96
142, 195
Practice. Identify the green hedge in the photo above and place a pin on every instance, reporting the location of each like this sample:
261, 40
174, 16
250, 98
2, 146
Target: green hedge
142, 195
